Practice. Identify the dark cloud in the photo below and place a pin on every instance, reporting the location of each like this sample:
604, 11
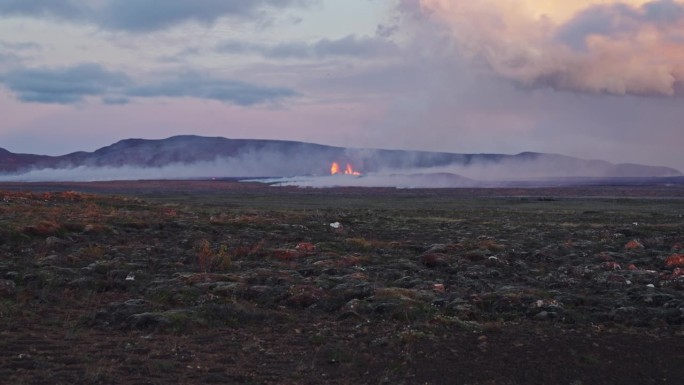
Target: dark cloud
149, 15
115, 100
74, 84
195, 85
663, 11
597, 20
64, 85
7, 56
20, 47
290, 50
354, 46
15, 53
386, 31
61, 9
238, 47
145, 15
349, 46
617, 19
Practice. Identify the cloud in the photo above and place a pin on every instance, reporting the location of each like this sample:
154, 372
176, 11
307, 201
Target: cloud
115, 100
663, 11
73, 84
58, 9
606, 20
63, 85
597, 46
145, 15
348, 46
192, 84
15, 53
20, 47
8, 57
353, 46
149, 15
619, 21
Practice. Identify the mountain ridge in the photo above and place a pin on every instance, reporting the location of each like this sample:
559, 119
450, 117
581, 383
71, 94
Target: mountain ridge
264, 157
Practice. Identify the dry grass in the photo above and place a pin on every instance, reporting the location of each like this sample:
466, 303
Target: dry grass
210, 260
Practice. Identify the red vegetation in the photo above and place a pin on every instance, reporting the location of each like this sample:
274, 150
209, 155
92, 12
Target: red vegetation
43, 228
633, 244
305, 246
303, 296
675, 260
286, 254
350, 260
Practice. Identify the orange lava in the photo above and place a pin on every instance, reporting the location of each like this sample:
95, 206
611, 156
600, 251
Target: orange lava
349, 170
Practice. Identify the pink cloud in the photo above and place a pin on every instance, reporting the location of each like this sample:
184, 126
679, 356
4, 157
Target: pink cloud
609, 46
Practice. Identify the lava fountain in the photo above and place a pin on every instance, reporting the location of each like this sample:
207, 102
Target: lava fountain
349, 170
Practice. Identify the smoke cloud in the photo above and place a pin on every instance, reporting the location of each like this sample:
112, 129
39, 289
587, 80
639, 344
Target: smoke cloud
249, 165
392, 180
598, 46
536, 170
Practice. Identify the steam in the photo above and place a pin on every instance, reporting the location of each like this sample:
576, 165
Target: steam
528, 169
96, 174
598, 46
404, 181
537, 168
310, 166
247, 166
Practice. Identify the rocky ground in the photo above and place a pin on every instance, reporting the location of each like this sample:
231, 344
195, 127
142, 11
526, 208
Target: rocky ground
195, 283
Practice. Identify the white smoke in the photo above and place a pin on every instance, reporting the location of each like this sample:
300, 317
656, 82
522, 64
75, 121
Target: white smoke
251, 165
379, 168
396, 180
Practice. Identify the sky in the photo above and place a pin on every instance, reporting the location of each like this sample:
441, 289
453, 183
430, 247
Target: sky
596, 79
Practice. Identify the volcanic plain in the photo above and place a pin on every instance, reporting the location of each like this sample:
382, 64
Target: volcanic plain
197, 282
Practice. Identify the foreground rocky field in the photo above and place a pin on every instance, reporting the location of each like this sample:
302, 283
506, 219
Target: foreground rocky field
221, 282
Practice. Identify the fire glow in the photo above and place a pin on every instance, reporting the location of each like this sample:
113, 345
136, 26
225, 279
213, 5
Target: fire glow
349, 170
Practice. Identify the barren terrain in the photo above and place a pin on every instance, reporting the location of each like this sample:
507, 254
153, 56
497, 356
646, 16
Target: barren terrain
201, 282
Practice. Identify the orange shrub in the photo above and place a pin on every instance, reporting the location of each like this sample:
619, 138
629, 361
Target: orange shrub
305, 246
286, 254
675, 260
43, 228
634, 244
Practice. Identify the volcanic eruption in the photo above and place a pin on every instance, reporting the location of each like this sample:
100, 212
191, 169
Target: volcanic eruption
349, 170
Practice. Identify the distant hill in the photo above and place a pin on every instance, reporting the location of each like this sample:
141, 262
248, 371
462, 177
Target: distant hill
197, 156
